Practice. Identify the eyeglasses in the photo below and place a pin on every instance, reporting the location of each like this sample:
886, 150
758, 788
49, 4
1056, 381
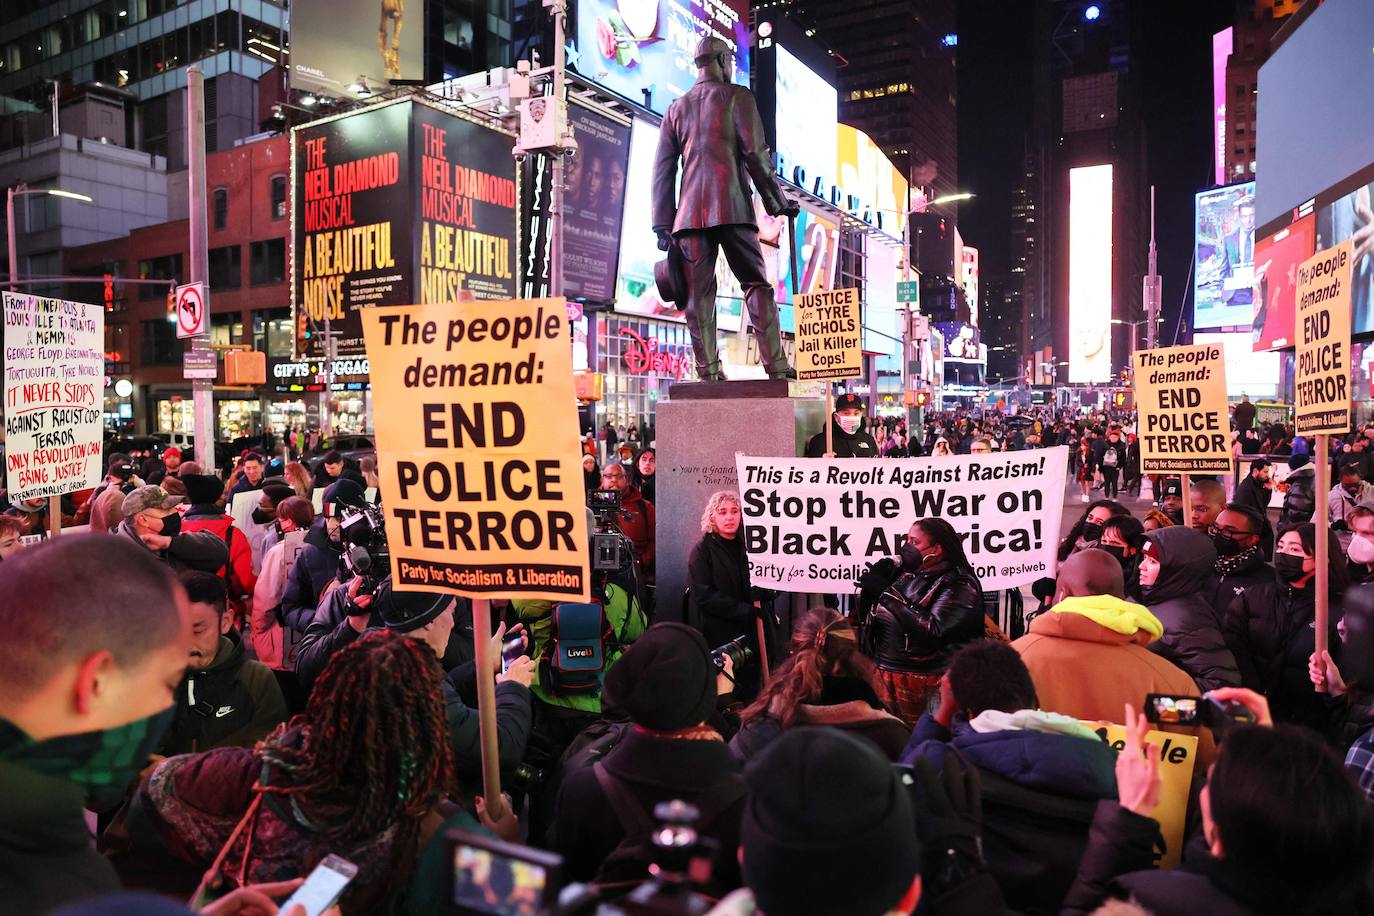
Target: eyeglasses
1231, 533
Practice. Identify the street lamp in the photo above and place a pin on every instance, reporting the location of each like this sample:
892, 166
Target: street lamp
21, 190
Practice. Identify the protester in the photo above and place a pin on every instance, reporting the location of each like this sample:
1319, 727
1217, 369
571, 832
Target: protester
591, 473
1360, 550
666, 684
83, 702
636, 519
1351, 686
251, 468
1209, 498
261, 525
1123, 536
203, 491
226, 699
720, 601
825, 681
1155, 520
934, 606
1300, 501
1086, 468
1350, 491
941, 448
645, 467
11, 532
274, 642
298, 478
105, 507
847, 436
1240, 560
317, 564
151, 519
1255, 490
1111, 461
367, 467
1087, 531
1271, 628
1042, 773
156, 469
1175, 567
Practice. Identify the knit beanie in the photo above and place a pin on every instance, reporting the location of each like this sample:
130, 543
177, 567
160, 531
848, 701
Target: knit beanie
665, 680
828, 827
403, 612
202, 488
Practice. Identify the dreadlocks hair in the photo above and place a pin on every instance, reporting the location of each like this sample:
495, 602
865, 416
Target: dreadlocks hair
372, 747
824, 644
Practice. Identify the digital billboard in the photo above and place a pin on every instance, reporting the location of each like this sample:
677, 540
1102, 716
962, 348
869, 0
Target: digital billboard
1277, 257
593, 204
396, 205
1247, 372
1347, 213
334, 45
1090, 274
964, 358
805, 115
970, 282
1224, 272
1221, 52
866, 174
882, 323
642, 49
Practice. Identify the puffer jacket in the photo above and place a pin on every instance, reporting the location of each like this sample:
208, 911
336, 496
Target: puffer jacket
1192, 630
923, 618
316, 566
1272, 632
1301, 499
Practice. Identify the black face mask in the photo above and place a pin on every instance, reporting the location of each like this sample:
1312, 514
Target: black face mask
1175, 515
1115, 550
911, 555
171, 524
1288, 567
1226, 547
263, 516
1092, 531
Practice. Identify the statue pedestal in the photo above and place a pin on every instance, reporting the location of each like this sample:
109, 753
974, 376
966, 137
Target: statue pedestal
699, 429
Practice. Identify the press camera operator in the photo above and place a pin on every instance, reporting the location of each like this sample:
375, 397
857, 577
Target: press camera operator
635, 518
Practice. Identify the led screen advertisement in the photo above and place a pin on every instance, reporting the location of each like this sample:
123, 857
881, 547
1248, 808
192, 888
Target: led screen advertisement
1090, 274
1247, 372
964, 358
806, 108
397, 205
1224, 275
630, 46
1347, 214
335, 45
593, 204
1277, 257
1221, 52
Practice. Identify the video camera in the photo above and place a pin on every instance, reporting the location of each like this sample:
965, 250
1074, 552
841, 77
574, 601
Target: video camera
365, 550
611, 550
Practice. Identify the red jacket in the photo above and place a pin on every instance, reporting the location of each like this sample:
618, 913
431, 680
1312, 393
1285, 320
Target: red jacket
241, 579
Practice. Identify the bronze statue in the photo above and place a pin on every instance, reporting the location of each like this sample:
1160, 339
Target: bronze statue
716, 130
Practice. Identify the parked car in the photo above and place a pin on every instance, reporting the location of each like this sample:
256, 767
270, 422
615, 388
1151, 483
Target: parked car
353, 448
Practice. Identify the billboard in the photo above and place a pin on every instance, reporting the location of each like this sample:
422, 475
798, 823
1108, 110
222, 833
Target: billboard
964, 356
395, 205
593, 205
1347, 214
1277, 257
1221, 51
865, 173
1224, 275
642, 49
1090, 274
806, 109
1247, 372
882, 324
970, 282
335, 45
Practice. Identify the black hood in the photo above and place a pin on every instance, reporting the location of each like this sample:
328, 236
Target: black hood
1186, 559
319, 536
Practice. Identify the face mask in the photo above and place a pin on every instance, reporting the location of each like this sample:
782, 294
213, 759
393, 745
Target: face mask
911, 555
1288, 567
1115, 550
1092, 531
1175, 516
1226, 547
101, 762
171, 525
848, 423
263, 516
1361, 549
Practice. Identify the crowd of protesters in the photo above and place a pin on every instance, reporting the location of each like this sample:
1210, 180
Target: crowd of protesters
202, 707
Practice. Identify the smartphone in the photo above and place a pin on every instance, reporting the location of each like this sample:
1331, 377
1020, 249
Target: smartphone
324, 887
512, 649
493, 878
1173, 709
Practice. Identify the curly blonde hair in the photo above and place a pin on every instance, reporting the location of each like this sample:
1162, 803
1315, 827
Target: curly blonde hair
718, 499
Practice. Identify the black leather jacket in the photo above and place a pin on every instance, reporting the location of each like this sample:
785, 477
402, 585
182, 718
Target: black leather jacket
922, 618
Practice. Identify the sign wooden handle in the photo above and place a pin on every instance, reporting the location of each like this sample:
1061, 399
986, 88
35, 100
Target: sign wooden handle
486, 707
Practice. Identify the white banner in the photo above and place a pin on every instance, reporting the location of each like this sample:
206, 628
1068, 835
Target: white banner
813, 524
54, 395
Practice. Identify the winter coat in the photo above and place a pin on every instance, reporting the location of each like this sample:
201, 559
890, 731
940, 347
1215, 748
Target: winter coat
1224, 589
923, 618
845, 703
47, 856
859, 445
240, 579
1272, 631
316, 566
1040, 790
198, 550
653, 769
719, 598
274, 643
1249, 492
1192, 629
233, 703
636, 522
1117, 449
107, 510
1301, 500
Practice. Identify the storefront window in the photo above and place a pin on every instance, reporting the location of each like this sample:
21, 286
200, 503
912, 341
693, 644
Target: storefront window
272, 333
176, 415
283, 416
239, 418
640, 359
349, 410
226, 329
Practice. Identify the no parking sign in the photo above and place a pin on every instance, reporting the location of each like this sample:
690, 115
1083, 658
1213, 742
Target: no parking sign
193, 314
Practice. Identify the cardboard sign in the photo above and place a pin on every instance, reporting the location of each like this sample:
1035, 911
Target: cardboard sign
1178, 755
814, 524
1322, 368
829, 335
1181, 396
477, 448
54, 395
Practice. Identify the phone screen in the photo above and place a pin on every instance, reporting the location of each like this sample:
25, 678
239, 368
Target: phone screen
324, 887
1175, 710
510, 651
484, 882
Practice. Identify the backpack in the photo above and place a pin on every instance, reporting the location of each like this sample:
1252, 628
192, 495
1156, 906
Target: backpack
574, 661
1109, 457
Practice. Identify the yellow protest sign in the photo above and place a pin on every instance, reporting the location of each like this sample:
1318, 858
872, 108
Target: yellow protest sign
1180, 394
1321, 383
1178, 756
477, 448
829, 335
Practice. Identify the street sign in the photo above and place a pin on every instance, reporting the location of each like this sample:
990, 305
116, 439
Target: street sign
193, 316
200, 364
909, 291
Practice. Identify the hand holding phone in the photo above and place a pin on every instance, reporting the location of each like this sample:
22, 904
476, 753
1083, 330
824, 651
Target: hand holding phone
324, 887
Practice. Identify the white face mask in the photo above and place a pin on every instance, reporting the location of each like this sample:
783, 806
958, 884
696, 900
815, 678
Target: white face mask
849, 423
1361, 549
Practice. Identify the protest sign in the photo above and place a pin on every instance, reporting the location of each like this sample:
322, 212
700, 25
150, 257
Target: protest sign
813, 524
477, 447
54, 393
1181, 396
1321, 383
829, 335
1178, 756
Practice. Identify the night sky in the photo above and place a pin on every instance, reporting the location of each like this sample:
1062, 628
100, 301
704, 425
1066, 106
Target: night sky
1174, 60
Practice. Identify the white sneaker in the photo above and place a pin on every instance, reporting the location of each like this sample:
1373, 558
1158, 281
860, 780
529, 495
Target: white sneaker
1084, 498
